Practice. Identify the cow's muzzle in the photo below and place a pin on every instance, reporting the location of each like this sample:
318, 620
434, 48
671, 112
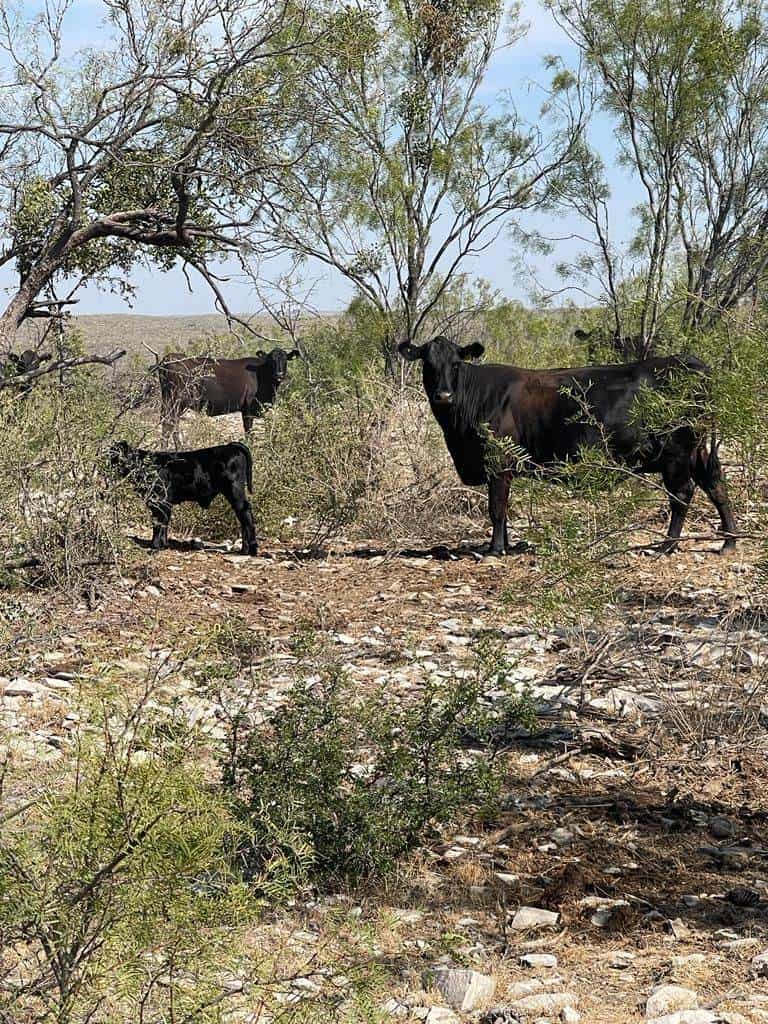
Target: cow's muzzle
444, 398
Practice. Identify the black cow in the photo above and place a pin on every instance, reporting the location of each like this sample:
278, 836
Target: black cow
220, 386
13, 364
165, 479
553, 414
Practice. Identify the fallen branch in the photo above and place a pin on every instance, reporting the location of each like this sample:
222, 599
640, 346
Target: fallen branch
61, 364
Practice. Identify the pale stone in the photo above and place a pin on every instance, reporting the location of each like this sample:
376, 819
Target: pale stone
667, 999
534, 917
462, 989
539, 960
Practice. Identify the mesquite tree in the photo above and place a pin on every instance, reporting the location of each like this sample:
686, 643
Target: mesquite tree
128, 152
409, 175
686, 83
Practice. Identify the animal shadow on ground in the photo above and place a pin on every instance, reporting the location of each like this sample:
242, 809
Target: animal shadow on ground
186, 545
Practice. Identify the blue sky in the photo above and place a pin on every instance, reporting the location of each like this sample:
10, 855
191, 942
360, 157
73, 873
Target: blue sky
518, 69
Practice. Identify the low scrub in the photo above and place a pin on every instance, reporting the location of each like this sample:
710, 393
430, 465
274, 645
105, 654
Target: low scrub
57, 516
117, 896
360, 780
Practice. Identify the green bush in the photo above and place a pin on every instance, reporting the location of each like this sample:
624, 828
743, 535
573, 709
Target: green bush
360, 780
117, 893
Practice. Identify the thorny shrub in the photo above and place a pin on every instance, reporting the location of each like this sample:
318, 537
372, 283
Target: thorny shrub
361, 779
56, 514
117, 895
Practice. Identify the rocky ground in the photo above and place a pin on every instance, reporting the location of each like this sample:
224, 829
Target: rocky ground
626, 877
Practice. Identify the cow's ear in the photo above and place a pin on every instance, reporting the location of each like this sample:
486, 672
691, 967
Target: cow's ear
293, 354
410, 352
260, 354
473, 351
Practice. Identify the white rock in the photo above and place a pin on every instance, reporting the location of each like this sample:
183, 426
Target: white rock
570, 1016
539, 960
545, 1003
534, 917
454, 853
687, 1017
435, 1015
463, 990
621, 959
667, 999
528, 988
759, 965
395, 1008
562, 837
21, 688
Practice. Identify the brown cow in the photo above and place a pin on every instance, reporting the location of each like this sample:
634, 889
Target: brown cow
219, 386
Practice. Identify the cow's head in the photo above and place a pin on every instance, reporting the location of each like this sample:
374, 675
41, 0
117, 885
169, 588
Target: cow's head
277, 360
120, 458
440, 360
15, 364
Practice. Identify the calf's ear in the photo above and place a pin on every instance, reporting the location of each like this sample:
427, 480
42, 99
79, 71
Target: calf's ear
410, 352
261, 354
473, 351
293, 354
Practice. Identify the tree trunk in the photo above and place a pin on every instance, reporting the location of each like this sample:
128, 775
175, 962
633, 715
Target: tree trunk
19, 307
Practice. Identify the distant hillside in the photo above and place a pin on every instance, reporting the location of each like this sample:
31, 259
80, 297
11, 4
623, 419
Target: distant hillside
128, 330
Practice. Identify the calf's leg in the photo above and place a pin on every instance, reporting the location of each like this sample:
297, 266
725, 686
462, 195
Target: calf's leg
247, 423
498, 496
680, 487
708, 474
242, 509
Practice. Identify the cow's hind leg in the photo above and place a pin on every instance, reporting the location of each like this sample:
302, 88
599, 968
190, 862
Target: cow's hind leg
161, 518
242, 509
708, 474
498, 497
680, 487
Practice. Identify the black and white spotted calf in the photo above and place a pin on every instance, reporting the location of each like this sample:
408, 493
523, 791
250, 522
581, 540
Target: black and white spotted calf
165, 479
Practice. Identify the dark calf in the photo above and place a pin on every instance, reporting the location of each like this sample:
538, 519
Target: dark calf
14, 364
165, 479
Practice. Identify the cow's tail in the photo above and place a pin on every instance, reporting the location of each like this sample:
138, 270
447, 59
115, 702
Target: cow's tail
248, 464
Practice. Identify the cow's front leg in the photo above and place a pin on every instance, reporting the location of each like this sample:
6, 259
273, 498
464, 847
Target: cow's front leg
498, 497
680, 488
248, 419
161, 518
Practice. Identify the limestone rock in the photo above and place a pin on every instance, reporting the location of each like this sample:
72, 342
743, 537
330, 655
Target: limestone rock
544, 1004
667, 999
538, 960
534, 917
462, 989
435, 1015
687, 1017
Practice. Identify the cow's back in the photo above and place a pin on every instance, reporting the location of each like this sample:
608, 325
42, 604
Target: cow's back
553, 414
219, 386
